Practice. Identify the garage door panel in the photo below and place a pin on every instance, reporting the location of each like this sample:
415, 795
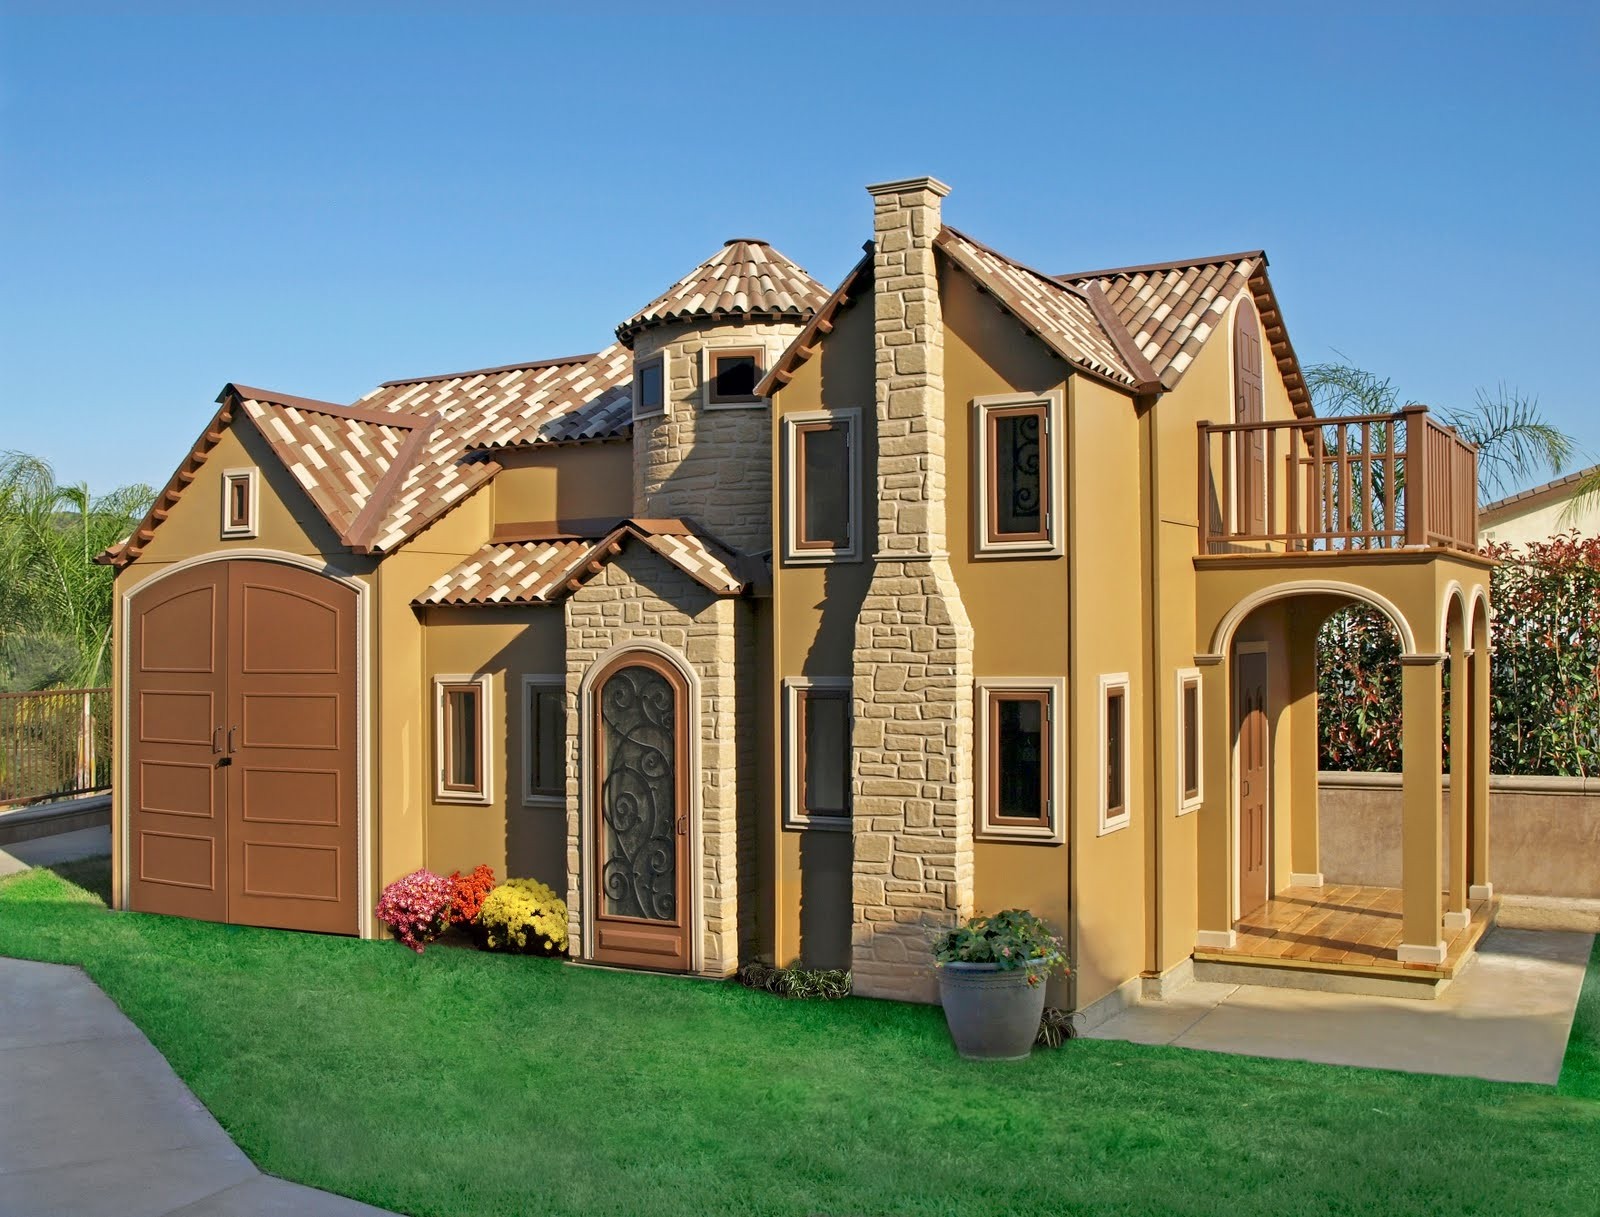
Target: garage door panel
287, 633
291, 796
177, 788
179, 633
291, 720
172, 716
178, 860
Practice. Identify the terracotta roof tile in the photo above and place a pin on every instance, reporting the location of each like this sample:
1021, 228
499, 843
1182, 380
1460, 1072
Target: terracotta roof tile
745, 278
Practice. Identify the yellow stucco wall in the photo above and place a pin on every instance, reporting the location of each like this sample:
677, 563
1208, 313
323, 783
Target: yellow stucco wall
563, 482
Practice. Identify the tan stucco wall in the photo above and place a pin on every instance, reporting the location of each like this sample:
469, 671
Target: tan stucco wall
563, 482
1539, 521
514, 837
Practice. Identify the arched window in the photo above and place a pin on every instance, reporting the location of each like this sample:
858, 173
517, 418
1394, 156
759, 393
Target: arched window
1248, 407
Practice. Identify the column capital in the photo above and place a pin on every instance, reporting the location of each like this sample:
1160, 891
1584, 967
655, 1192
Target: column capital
1421, 661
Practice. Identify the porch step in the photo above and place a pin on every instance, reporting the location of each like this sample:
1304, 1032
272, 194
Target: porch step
1324, 978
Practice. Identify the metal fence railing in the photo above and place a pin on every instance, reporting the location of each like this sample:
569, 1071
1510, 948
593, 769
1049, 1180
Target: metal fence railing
54, 744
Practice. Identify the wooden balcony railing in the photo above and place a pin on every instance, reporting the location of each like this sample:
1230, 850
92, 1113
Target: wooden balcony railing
1367, 482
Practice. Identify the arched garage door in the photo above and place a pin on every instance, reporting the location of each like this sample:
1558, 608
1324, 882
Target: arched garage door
241, 767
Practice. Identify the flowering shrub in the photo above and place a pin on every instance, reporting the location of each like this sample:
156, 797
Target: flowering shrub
523, 915
417, 908
469, 894
1011, 939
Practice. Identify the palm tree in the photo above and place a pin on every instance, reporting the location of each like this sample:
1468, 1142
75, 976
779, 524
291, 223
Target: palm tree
53, 598
1514, 441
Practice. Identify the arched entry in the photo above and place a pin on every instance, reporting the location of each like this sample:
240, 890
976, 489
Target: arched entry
641, 801
239, 786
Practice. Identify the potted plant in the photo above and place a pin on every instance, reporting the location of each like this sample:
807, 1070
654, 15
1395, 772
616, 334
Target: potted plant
991, 981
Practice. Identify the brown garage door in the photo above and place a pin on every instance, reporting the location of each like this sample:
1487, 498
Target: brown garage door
242, 731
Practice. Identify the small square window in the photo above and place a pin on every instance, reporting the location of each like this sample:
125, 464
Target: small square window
240, 498
822, 478
1190, 793
1018, 457
461, 712
650, 385
1114, 758
544, 739
817, 729
732, 374
1019, 771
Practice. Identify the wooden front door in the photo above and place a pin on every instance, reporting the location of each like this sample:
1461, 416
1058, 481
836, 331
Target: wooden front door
242, 747
1254, 801
1249, 407
642, 803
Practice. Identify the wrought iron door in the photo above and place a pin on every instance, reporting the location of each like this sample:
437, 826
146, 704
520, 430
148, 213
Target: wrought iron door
641, 810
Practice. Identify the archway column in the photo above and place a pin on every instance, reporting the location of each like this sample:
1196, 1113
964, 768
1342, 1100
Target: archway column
1457, 914
1217, 871
1422, 713
1481, 888
1305, 855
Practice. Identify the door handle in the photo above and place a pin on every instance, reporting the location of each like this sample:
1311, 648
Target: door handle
683, 826
231, 730
216, 740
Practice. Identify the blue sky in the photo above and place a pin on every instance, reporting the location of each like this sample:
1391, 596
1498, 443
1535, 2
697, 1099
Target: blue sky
317, 198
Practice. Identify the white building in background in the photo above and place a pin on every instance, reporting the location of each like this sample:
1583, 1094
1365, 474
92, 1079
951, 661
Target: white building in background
1543, 511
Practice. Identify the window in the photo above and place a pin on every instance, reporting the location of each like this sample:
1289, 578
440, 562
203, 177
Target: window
1114, 752
461, 715
544, 739
822, 486
1018, 485
239, 501
817, 731
1189, 787
732, 374
650, 385
1019, 771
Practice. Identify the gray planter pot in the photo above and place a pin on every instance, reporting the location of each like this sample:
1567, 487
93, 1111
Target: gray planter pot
993, 1015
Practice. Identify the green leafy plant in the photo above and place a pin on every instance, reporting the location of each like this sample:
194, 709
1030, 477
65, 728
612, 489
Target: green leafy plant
820, 984
1013, 938
1055, 1028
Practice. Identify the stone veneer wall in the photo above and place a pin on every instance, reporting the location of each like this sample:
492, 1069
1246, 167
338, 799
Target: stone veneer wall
713, 466
913, 679
640, 596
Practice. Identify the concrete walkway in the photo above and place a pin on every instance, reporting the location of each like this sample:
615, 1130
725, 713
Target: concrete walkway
1506, 1017
94, 1123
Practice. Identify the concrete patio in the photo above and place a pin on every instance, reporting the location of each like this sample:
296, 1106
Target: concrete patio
1506, 1017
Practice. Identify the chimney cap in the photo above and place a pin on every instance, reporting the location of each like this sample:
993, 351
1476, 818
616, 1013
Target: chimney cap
745, 241
909, 185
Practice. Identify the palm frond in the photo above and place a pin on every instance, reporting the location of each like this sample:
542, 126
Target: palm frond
1515, 442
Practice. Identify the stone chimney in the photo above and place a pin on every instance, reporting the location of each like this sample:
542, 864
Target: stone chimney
912, 743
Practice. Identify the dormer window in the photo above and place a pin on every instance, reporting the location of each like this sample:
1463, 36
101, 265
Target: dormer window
650, 385
732, 374
239, 501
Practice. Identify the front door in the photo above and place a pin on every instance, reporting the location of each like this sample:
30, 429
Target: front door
640, 786
1254, 804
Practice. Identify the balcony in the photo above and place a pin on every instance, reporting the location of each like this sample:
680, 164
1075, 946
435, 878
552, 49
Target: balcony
1378, 484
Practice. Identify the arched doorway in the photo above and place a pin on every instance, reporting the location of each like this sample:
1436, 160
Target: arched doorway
239, 785
641, 803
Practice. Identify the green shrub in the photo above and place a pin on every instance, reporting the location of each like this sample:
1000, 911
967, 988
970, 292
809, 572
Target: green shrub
523, 915
823, 984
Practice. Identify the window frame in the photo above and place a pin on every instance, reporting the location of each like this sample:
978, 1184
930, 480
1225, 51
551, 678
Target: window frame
710, 353
989, 826
663, 357
1115, 819
795, 552
443, 685
1050, 542
531, 687
250, 477
1187, 677
795, 691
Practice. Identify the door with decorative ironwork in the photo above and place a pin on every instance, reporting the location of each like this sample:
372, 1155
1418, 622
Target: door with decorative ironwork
641, 801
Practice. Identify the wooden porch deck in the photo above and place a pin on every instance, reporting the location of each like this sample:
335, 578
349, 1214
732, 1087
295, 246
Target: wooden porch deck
1343, 928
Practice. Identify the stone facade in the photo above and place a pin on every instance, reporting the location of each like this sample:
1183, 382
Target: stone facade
713, 466
913, 675
639, 597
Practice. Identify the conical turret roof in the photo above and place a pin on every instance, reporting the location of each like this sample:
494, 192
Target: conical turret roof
746, 278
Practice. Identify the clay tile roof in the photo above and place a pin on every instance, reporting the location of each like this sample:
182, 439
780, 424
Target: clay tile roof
745, 278
1062, 315
1569, 484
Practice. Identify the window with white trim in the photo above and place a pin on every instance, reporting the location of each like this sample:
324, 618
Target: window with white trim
1115, 752
461, 739
241, 497
1191, 791
544, 740
1020, 770
822, 486
650, 385
817, 752
731, 374
1017, 446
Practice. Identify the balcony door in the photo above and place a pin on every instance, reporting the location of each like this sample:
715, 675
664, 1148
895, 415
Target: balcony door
1248, 407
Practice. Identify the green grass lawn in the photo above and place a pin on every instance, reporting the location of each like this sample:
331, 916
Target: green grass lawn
466, 1083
